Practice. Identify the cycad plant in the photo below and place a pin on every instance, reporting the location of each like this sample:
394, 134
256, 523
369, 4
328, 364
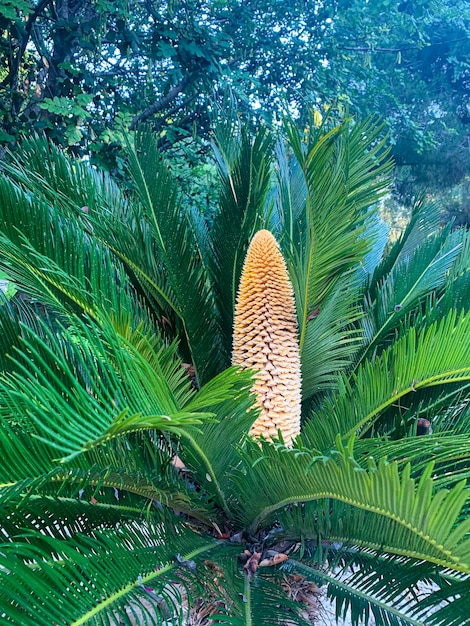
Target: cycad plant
130, 483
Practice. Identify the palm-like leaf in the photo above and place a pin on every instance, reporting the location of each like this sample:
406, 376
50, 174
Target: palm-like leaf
56, 262
369, 584
72, 185
344, 175
407, 284
424, 223
332, 340
139, 556
73, 378
411, 513
326, 191
212, 462
430, 359
244, 168
177, 247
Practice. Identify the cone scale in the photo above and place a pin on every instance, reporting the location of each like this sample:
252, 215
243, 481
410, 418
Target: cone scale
265, 338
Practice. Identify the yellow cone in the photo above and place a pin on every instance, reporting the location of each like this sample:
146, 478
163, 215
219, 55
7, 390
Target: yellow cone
265, 338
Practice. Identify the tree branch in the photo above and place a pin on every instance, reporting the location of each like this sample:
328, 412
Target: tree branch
11, 77
159, 105
400, 49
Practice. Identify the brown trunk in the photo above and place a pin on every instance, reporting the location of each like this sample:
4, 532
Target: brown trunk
64, 44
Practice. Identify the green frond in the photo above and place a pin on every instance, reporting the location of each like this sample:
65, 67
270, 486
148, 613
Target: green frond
160, 356
330, 522
175, 243
291, 195
425, 221
25, 457
456, 294
132, 471
104, 574
89, 385
213, 448
14, 316
415, 521
426, 270
116, 494
450, 452
459, 422
51, 257
430, 358
111, 220
244, 169
345, 173
44, 169
440, 406
331, 340
131, 238
453, 605
378, 231
390, 590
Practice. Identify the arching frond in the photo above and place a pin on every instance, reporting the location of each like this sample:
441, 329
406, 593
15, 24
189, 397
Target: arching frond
132, 472
136, 565
405, 287
212, 452
415, 520
51, 257
331, 340
291, 197
90, 385
345, 172
68, 184
424, 222
244, 169
80, 390
392, 591
429, 359
178, 249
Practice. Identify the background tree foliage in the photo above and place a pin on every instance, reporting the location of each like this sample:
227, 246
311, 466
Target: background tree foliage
83, 70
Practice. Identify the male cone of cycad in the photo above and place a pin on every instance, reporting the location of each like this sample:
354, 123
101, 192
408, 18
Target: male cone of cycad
265, 338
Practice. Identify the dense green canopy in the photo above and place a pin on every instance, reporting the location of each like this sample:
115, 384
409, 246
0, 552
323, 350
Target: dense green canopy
84, 69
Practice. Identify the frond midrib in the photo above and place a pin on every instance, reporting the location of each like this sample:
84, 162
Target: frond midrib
144, 580
361, 594
451, 562
147, 492
451, 376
